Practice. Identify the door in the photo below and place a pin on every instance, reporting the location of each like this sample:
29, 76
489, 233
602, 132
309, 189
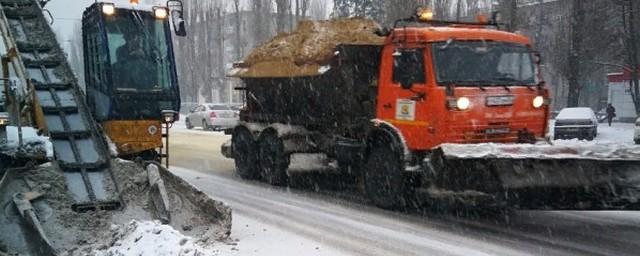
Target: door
403, 98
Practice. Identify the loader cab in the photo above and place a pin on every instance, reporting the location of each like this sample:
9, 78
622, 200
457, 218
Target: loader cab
130, 71
130, 68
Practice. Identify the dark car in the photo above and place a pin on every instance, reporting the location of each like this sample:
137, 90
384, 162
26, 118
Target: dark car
580, 123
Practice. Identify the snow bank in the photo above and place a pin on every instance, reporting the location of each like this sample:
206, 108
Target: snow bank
561, 149
32, 143
151, 238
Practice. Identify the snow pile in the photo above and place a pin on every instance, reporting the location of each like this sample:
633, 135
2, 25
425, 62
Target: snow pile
565, 149
33, 145
306, 50
151, 238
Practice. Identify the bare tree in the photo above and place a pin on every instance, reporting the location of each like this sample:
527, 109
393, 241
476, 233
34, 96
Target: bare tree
630, 41
442, 9
283, 8
317, 9
575, 50
239, 47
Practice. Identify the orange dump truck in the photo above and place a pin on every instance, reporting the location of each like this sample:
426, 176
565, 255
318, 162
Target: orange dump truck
434, 109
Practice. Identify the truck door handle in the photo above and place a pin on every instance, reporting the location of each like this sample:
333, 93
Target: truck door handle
387, 106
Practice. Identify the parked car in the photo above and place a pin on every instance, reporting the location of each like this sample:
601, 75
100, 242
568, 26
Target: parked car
636, 132
580, 123
211, 117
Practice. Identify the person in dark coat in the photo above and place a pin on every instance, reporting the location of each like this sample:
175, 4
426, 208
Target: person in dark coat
611, 113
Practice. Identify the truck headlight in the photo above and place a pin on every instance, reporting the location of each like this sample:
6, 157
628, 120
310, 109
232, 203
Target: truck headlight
463, 103
538, 101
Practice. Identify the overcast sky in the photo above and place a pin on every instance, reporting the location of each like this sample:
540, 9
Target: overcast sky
66, 13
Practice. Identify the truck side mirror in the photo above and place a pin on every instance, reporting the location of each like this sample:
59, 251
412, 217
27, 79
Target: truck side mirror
537, 58
406, 82
177, 17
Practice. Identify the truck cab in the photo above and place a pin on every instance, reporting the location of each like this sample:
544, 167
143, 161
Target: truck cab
460, 84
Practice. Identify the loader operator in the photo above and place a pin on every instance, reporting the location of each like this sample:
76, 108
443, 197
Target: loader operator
134, 66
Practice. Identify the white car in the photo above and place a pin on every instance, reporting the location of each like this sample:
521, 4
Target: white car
580, 123
636, 132
214, 117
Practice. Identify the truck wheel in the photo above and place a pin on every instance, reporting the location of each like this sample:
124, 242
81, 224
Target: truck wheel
245, 153
384, 181
273, 160
188, 124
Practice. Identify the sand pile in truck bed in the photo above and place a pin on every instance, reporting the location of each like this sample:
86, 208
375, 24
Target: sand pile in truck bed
304, 51
193, 213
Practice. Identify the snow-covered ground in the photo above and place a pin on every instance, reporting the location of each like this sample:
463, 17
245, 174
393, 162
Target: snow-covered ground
255, 237
32, 143
152, 238
615, 142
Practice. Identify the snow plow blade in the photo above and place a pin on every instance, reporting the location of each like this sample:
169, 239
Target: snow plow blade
38, 219
543, 176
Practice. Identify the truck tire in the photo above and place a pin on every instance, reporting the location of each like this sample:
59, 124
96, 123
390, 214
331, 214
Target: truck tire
272, 158
245, 153
384, 180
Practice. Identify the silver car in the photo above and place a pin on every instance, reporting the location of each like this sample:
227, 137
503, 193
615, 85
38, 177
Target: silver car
214, 117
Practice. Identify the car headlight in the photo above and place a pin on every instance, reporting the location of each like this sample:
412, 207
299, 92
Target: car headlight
538, 101
463, 103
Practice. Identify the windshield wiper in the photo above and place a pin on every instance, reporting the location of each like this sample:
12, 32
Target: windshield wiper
514, 81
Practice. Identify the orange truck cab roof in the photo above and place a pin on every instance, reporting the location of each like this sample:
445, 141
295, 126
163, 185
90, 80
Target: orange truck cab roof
465, 33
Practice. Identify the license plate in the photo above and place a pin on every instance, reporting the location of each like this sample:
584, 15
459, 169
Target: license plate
497, 130
499, 100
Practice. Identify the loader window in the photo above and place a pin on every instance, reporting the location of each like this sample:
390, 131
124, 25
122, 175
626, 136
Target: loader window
138, 52
408, 65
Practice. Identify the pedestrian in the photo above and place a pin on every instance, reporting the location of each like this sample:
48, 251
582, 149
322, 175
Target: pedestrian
611, 113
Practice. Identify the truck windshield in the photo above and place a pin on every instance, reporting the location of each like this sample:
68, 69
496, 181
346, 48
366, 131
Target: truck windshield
138, 52
469, 63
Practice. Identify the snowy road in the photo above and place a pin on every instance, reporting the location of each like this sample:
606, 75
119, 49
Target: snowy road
280, 221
